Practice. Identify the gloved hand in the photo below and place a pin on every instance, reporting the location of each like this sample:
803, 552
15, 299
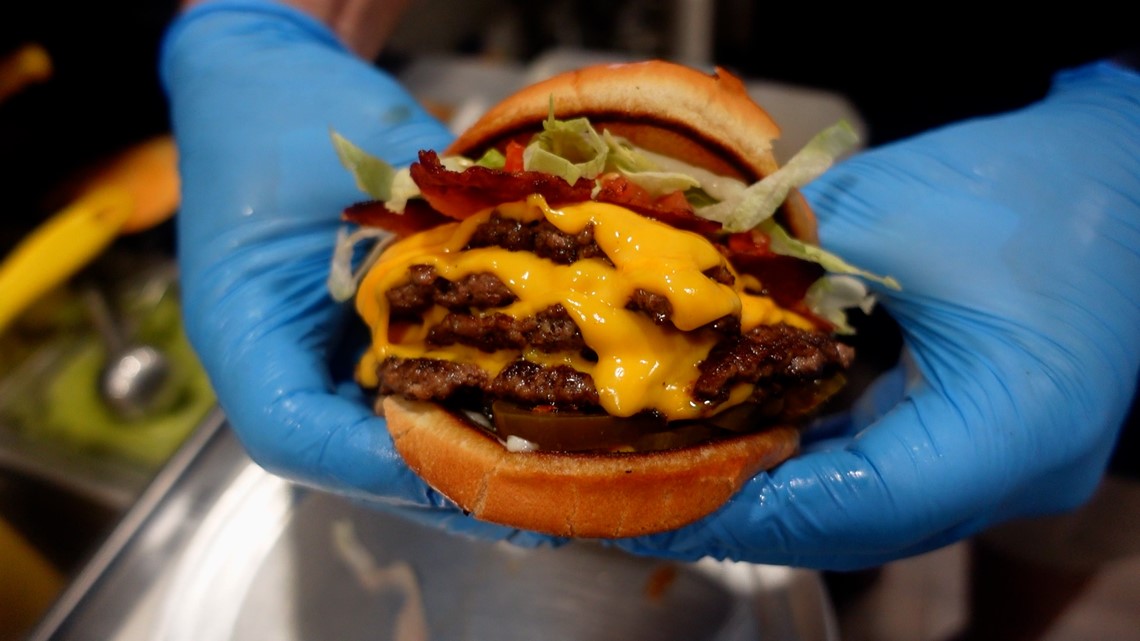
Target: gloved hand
1017, 243
254, 90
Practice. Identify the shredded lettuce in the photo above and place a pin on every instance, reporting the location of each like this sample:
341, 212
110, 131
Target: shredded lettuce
712, 197
373, 176
784, 244
831, 295
492, 159
640, 168
761, 200
401, 190
569, 149
661, 183
699, 198
623, 156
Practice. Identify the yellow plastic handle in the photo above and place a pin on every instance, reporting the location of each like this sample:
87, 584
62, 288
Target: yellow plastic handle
61, 247
149, 170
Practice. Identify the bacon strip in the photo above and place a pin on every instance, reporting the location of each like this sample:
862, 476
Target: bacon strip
671, 209
461, 194
418, 216
784, 278
455, 195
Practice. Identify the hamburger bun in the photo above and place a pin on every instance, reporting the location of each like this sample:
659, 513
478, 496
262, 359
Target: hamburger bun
674, 110
709, 121
577, 495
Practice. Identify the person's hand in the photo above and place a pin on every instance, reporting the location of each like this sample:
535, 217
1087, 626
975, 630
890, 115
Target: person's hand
1017, 243
255, 89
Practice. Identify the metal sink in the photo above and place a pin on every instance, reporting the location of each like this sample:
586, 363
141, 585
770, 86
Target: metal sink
218, 549
69, 467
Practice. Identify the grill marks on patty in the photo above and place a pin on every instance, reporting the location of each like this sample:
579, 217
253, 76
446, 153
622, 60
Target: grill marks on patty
772, 353
540, 238
524, 382
551, 330
426, 289
484, 291
773, 358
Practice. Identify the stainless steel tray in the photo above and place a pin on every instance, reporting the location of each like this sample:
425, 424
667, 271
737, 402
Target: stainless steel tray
218, 549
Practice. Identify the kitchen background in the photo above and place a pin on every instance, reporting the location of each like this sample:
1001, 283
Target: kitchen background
78, 90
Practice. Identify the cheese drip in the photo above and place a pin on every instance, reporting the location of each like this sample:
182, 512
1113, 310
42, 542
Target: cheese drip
640, 365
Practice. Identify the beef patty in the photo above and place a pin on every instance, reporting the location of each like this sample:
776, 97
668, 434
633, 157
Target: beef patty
775, 359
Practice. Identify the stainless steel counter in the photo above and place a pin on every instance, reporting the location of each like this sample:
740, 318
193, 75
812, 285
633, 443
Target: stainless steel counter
218, 549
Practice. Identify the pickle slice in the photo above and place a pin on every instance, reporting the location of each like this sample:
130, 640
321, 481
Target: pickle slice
572, 431
593, 432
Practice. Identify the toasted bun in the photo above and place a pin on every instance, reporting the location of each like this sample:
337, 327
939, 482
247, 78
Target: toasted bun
709, 120
579, 495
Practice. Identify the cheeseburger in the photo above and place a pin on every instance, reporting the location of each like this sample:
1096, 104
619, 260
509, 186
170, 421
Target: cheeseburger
601, 310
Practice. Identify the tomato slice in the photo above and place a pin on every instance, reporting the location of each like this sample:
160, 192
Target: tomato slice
514, 157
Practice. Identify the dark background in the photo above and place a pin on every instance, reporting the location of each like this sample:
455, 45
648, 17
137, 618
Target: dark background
904, 71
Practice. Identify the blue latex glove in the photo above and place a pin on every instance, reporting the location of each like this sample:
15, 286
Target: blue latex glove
254, 90
1017, 242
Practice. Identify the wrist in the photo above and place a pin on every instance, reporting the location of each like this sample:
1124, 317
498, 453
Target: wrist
204, 23
362, 26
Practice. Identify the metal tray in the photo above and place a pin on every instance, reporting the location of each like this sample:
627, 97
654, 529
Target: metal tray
217, 549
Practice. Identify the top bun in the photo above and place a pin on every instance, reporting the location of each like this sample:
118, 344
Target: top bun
708, 120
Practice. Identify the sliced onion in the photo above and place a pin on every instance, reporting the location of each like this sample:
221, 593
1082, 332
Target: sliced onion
343, 280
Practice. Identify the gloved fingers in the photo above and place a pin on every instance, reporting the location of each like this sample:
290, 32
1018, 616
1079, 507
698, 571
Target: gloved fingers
929, 469
994, 204
831, 510
255, 89
323, 434
285, 408
1014, 239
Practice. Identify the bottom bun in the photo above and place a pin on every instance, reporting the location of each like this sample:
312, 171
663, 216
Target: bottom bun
577, 495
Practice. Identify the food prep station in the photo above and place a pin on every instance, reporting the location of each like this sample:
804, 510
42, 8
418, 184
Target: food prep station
216, 548
206, 545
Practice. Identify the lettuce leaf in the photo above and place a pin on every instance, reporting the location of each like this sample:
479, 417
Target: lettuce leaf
492, 159
761, 200
784, 244
832, 295
569, 149
661, 183
373, 176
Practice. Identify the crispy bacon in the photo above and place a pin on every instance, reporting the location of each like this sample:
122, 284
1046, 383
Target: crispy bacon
460, 194
671, 209
784, 278
418, 216
455, 195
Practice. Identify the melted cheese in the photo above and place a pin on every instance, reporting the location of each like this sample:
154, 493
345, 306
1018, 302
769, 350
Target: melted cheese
641, 365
